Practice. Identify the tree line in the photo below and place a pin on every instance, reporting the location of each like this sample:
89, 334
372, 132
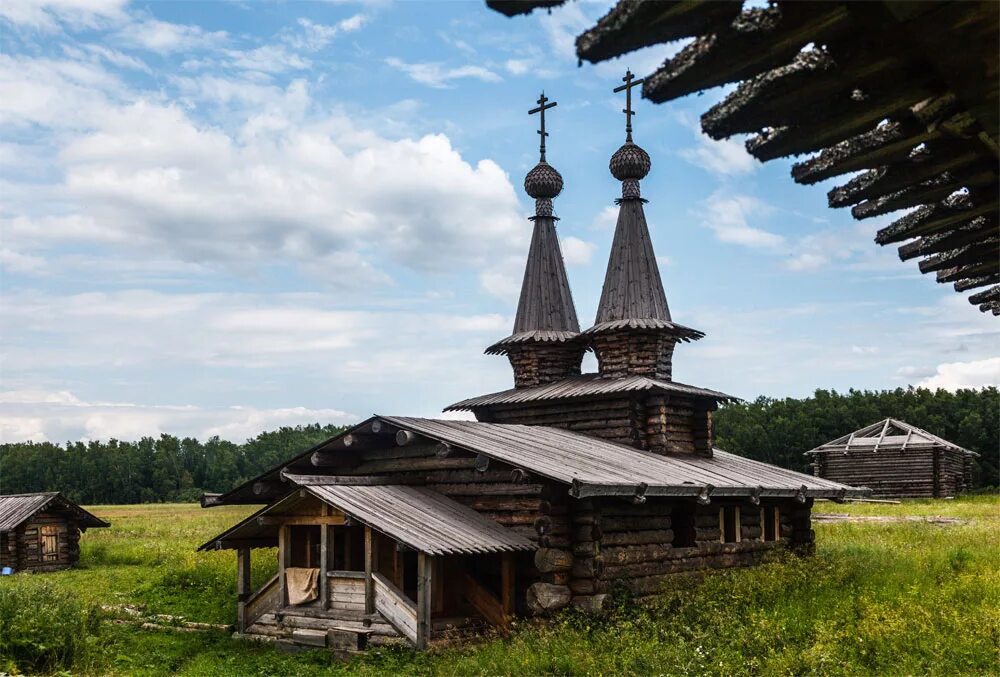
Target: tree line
779, 431
168, 468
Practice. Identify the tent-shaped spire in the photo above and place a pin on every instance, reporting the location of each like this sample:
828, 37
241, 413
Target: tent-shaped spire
544, 346
633, 296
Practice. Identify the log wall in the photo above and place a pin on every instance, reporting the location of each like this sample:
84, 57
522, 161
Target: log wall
22, 548
538, 363
618, 419
618, 544
632, 353
890, 473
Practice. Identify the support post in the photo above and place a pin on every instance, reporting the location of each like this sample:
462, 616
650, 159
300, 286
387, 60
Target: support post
424, 595
325, 559
242, 586
284, 559
371, 557
507, 584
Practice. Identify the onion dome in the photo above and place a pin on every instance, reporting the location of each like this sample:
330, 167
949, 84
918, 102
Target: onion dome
543, 182
630, 162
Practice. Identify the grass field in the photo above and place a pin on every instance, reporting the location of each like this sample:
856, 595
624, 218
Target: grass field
898, 598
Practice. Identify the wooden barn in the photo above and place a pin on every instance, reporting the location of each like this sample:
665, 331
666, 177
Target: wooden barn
567, 487
41, 532
896, 460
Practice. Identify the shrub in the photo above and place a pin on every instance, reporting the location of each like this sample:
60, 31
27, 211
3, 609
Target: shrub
43, 628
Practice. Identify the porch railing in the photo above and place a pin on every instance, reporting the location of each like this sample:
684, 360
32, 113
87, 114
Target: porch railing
265, 600
395, 607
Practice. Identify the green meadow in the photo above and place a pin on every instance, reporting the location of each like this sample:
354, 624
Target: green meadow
878, 597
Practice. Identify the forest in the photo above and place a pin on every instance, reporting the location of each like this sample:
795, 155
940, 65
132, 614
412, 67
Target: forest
169, 468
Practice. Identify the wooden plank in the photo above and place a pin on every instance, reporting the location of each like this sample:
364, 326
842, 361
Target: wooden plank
397, 609
284, 561
370, 559
242, 586
309, 520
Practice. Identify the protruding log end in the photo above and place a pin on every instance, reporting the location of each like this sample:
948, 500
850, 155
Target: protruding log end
591, 604
547, 597
551, 560
404, 437
208, 500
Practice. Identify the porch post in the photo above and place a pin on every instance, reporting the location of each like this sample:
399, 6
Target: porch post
242, 585
325, 558
371, 557
424, 595
284, 557
507, 584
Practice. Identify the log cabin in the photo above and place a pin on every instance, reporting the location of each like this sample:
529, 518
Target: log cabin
896, 460
566, 487
41, 532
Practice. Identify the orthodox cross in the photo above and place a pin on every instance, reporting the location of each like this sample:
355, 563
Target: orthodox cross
630, 82
542, 107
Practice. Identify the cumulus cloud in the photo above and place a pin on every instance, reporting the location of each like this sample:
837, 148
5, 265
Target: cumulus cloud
577, 252
60, 415
315, 36
439, 76
729, 216
146, 174
973, 374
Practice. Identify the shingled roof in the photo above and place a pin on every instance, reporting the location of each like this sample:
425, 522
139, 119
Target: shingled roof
906, 91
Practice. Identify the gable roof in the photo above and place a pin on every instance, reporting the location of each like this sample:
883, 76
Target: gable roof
16, 509
586, 385
593, 466
888, 434
415, 516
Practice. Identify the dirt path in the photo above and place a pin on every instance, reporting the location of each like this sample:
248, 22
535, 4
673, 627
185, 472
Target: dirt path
844, 517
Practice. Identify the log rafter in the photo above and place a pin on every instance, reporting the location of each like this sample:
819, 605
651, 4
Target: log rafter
907, 91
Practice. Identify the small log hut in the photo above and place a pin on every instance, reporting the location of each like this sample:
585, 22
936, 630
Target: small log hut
906, 93
565, 487
896, 460
41, 532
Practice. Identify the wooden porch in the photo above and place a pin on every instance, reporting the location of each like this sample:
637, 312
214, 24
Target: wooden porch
369, 587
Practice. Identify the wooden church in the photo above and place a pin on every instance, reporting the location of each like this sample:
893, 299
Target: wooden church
566, 487
896, 460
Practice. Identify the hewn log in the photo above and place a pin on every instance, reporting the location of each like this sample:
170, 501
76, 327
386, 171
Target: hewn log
547, 597
549, 560
637, 537
590, 603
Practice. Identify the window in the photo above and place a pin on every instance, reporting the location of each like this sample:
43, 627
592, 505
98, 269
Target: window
770, 522
729, 524
683, 524
49, 536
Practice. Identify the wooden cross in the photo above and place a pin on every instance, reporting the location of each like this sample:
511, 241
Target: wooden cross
542, 107
630, 82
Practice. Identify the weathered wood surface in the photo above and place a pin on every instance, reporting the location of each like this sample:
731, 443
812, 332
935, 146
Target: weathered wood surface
397, 609
547, 597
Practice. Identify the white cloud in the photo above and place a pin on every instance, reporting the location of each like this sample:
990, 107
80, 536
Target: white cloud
517, 66
864, 350
973, 374
315, 36
724, 158
729, 214
148, 176
606, 219
577, 252
267, 59
436, 75
46, 15
56, 416
164, 37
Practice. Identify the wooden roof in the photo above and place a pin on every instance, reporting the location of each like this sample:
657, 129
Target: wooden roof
633, 295
16, 509
420, 518
887, 435
594, 467
587, 385
545, 310
905, 92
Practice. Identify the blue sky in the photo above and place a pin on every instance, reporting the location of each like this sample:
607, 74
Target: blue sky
218, 218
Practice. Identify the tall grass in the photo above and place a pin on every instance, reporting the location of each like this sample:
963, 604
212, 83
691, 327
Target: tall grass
43, 628
899, 598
